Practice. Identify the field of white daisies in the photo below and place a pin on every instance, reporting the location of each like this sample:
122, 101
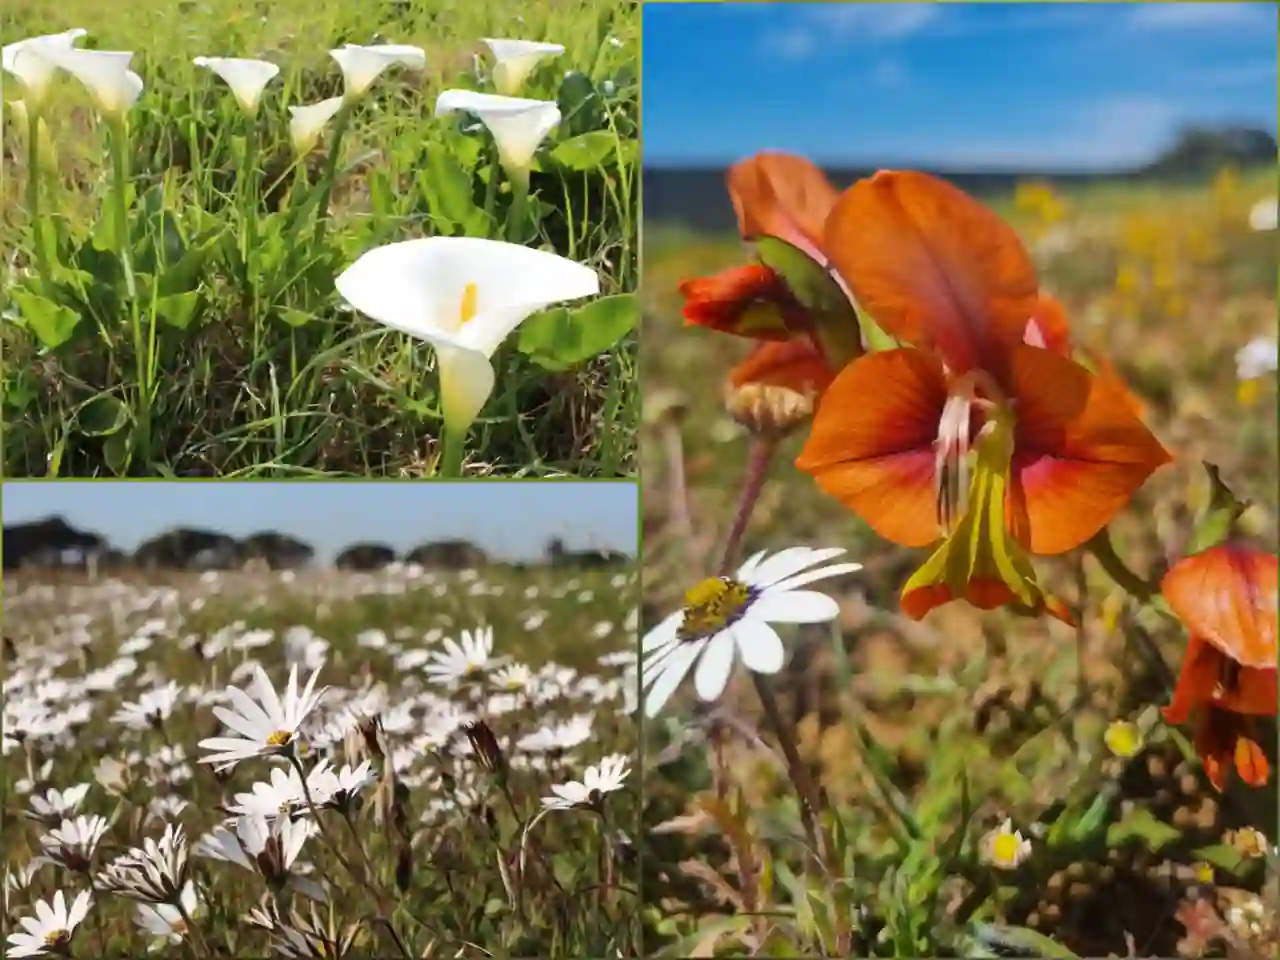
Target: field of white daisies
396, 764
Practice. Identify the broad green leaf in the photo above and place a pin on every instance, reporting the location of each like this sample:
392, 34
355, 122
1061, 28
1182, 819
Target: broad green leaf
51, 322
1022, 939
588, 151
581, 108
178, 309
819, 292
1226, 857
1142, 824
446, 187
101, 416
559, 338
296, 318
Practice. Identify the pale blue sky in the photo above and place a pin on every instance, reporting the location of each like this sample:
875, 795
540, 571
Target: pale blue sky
509, 519
956, 85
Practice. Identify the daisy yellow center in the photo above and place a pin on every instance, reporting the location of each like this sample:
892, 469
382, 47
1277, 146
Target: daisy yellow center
467, 308
1004, 849
712, 605
1123, 738
1203, 872
57, 938
280, 738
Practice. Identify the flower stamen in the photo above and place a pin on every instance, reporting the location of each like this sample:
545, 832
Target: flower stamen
467, 308
280, 738
711, 606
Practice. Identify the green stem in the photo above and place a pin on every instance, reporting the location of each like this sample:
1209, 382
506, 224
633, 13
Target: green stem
249, 237
451, 461
120, 173
331, 171
33, 192
519, 203
491, 193
1104, 552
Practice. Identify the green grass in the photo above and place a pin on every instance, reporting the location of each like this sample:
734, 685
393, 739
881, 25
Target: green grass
927, 735
429, 865
253, 369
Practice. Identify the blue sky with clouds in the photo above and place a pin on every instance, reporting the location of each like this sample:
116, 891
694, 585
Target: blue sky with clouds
979, 85
509, 519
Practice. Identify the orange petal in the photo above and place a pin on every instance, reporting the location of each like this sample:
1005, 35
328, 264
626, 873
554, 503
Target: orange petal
933, 267
796, 364
1251, 763
871, 443
1198, 678
1227, 595
1080, 454
784, 196
1214, 742
750, 301
982, 592
1048, 327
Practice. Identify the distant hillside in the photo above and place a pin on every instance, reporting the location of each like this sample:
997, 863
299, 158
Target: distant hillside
696, 197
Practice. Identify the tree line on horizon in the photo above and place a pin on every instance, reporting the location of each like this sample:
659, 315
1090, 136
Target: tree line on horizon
53, 543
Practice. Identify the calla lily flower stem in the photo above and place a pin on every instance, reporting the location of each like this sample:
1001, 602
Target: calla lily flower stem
331, 170
33, 191
249, 236
519, 203
811, 800
450, 467
141, 345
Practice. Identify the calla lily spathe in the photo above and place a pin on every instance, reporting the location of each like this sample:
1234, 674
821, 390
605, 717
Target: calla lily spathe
515, 60
464, 296
246, 78
363, 65
305, 123
29, 61
104, 73
518, 125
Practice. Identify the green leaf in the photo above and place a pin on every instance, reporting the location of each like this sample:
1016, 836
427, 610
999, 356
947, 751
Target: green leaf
101, 416
580, 106
559, 338
446, 187
1020, 939
589, 151
296, 318
1226, 857
1218, 520
819, 292
178, 309
51, 322
118, 450
1142, 824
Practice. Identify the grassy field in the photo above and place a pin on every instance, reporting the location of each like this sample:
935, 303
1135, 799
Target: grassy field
200, 334
446, 850
926, 736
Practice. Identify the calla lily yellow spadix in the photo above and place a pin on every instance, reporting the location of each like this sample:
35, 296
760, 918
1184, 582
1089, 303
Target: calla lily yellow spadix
29, 61
515, 60
361, 65
464, 296
306, 122
246, 78
104, 73
518, 125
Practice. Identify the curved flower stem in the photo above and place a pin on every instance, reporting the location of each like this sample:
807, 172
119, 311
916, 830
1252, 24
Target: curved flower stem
758, 462
1104, 552
33, 192
330, 171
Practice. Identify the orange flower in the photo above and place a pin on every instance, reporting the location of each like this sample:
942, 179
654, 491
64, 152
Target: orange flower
784, 196
970, 434
774, 389
1226, 597
750, 301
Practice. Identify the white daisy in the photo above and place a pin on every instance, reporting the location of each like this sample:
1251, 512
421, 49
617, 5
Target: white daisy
165, 919
268, 847
156, 872
469, 658
1004, 847
266, 725
338, 788
511, 678
724, 614
150, 710
50, 930
559, 736
281, 795
54, 806
73, 844
605, 777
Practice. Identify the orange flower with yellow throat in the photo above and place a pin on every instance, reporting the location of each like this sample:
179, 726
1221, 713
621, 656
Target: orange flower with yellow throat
980, 432
1226, 598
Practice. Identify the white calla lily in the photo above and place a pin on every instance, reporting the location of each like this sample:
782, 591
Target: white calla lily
106, 75
363, 65
28, 60
464, 296
518, 125
515, 60
246, 78
305, 123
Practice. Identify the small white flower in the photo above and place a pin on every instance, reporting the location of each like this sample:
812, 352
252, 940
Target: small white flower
518, 126
156, 872
1257, 358
605, 777
515, 60
150, 710
105, 73
470, 657
50, 930
268, 847
55, 806
28, 61
165, 919
306, 122
267, 725
1263, 215
512, 678
1005, 848
559, 736
281, 795
73, 844
724, 615
246, 78
363, 65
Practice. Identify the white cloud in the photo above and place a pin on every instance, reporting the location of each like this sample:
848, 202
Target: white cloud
844, 23
1164, 16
